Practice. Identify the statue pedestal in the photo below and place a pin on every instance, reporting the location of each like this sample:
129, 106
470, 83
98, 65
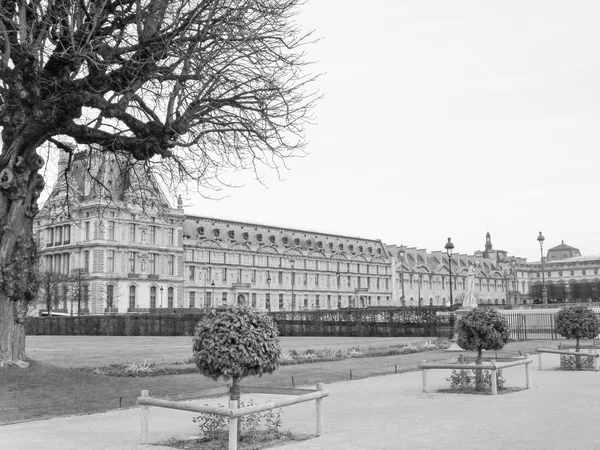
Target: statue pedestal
454, 347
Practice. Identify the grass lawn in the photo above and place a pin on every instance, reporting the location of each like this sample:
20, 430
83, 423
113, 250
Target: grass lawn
44, 390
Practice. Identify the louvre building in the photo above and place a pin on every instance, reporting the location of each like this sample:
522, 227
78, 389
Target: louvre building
114, 244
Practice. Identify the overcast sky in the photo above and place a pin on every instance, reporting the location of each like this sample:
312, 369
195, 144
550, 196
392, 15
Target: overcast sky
446, 119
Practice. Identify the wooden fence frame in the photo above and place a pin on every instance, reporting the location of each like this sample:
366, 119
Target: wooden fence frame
233, 412
541, 351
493, 366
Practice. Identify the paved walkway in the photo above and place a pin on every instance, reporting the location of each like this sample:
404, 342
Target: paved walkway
385, 412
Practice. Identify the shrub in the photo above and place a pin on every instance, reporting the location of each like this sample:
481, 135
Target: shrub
252, 426
577, 322
236, 342
482, 329
466, 379
569, 362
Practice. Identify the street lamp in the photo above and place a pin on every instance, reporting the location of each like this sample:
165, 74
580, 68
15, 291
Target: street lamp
339, 301
449, 247
269, 284
541, 239
161, 291
212, 291
292, 262
401, 254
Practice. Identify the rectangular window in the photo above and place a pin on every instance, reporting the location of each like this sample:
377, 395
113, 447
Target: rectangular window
171, 265
110, 296
254, 276
86, 261
152, 263
317, 302
58, 240
153, 234
86, 296
280, 277
239, 275
329, 302
110, 266
170, 295
316, 279
170, 236
305, 301
268, 302
254, 300
349, 281
49, 237
132, 232
192, 273
111, 230
280, 302
305, 281
67, 263
192, 299
224, 274
131, 297
86, 230
153, 297
132, 258
224, 298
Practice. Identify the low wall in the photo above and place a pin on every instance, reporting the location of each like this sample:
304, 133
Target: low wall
347, 322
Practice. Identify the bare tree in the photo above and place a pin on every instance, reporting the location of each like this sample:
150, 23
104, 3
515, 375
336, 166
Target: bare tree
51, 289
195, 86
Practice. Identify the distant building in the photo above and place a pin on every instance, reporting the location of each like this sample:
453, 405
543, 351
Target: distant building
129, 250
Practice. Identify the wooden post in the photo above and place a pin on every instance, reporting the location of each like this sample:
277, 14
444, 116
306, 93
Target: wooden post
424, 375
527, 375
493, 379
145, 414
539, 361
320, 422
233, 426
596, 363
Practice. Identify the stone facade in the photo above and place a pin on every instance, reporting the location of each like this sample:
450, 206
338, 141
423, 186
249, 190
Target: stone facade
121, 247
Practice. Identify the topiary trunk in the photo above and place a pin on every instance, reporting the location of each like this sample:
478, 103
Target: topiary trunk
478, 372
234, 396
577, 357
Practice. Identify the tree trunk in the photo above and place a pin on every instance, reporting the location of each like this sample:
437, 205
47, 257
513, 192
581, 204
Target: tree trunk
479, 372
20, 187
12, 333
577, 357
234, 395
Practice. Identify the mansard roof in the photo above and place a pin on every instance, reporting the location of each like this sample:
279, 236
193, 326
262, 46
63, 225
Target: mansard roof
198, 229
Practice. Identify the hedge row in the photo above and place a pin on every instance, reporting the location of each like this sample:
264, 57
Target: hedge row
347, 322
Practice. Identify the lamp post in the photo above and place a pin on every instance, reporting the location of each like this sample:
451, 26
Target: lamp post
337, 276
449, 247
401, 254
161, 291
269, 284
212, 291
541, 239
292, 262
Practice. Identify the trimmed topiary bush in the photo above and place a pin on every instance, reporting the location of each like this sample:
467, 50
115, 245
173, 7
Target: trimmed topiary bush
236, 342
482, 329
577, 322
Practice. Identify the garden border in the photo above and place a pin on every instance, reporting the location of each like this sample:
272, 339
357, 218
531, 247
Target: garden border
540, 351
493, 366
233, 412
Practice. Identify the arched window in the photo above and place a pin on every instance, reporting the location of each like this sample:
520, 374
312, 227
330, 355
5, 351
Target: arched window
170, 297
153, 297
132, 297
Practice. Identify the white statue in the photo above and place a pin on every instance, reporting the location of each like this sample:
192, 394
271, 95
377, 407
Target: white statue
469, 300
